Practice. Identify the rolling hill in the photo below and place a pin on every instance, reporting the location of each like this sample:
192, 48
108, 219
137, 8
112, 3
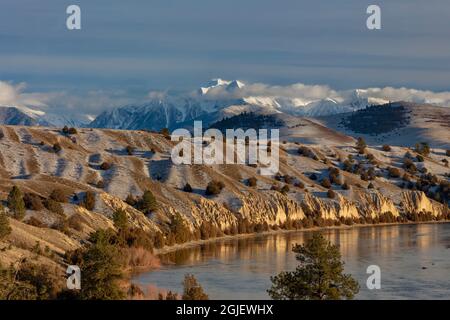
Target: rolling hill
376, 186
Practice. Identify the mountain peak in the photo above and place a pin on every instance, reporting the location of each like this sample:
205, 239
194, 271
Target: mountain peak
235, 84
218, 82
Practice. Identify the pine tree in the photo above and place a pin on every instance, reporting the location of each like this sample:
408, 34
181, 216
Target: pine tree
192, 290
165, 132
361, 145
319, 275
179, 229
148, 202
5, 228
120, 219
16, 203
89, 200
187, 188
101, 267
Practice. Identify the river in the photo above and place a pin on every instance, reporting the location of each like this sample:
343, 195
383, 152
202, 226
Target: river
414, 262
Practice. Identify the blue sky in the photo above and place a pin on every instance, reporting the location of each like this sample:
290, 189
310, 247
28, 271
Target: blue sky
137, 46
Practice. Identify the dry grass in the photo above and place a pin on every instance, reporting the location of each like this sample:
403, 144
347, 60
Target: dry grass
140, 258
11, 133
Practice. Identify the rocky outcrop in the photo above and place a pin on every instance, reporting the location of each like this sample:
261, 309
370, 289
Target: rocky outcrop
109, 204
212, 212
374, 203
417, 202
329, 209
274, 208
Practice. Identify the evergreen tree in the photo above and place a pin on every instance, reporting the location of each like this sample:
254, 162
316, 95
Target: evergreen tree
16, 203
165, 132
318, 277
57, 147
192, 290
5, 228
101, 269
27, 281
101, 266
89, 200
120, 219
148, 202
180, 230
187, 188
361, 145
423, 148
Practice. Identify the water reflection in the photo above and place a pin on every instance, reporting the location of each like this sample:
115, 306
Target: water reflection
414, 259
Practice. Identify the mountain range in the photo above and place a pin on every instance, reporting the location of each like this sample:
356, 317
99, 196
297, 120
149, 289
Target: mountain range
221, 99
212, 102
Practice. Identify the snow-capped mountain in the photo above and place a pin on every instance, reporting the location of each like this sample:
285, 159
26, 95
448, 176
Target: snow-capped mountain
155, 115
229, 86
215, 100
15, 116
59, 120
219, 99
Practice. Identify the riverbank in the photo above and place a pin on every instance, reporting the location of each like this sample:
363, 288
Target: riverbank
196, 243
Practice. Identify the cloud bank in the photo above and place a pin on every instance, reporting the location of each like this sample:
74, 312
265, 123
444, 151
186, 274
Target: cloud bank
14, 95
84, 105
309, 93
89, 104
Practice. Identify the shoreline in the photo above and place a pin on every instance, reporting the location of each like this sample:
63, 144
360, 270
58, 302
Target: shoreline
196, 243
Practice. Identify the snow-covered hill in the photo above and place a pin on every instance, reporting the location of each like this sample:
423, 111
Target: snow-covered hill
15, 116
12, 115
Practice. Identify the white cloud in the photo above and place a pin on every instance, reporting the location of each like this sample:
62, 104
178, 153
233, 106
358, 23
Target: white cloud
14, 95
63, 103
411, 95
308, 93
297, 90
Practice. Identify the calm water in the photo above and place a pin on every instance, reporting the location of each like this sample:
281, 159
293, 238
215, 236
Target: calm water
414, 262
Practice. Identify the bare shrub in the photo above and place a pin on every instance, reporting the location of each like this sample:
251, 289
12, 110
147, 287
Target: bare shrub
105, 166
326, 183
33, 221
394, 172
89, 200
57, 147
130, 150
54, 206
33, 202
331, 194
387, 148
214, 187
138, 257
58, 195
252, 182
187, 188
76, 222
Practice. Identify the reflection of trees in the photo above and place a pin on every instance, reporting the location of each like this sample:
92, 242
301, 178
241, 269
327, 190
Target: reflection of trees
353, 243
248, 250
